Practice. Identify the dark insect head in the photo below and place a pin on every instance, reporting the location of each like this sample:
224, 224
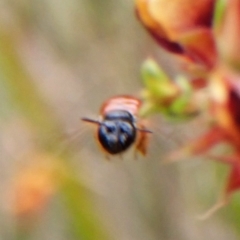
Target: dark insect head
117, 131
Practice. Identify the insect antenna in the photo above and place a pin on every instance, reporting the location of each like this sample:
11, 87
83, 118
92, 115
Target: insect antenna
144, 130
90, 120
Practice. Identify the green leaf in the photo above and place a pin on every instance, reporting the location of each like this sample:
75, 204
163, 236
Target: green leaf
156, 80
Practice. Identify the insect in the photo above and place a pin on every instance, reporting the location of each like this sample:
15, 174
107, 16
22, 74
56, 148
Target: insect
119, 126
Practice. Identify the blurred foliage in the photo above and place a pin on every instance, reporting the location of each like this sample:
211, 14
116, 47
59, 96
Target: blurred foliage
27, 100
206, 41
58, 61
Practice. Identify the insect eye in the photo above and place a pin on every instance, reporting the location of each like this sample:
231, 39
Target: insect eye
110, 129
125, 128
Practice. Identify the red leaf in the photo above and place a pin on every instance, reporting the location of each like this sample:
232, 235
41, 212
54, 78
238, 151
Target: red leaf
199, 146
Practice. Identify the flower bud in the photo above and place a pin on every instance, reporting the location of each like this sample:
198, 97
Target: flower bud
182, 27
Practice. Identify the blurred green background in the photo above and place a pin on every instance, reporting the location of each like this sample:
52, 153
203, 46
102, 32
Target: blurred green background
59, 60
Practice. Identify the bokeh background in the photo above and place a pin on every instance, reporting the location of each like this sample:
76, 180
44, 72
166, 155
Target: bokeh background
59, 60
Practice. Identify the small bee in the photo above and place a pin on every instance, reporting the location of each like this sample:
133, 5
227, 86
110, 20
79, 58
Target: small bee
119, 127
